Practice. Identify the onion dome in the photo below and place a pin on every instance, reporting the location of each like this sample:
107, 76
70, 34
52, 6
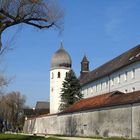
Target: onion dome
61, 58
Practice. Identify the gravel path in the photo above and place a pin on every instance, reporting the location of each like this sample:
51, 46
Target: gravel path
74, 138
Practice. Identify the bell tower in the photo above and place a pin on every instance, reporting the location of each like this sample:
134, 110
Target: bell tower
60, 66
84, 65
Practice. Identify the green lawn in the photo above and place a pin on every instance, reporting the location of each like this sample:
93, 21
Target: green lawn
26, 137
115, 138
23, 137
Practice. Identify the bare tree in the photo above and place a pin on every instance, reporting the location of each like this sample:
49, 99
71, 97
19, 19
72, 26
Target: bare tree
3, 81
11, 108
38, 13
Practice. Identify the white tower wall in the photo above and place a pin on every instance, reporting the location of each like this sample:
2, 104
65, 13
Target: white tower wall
60, 66
55, 88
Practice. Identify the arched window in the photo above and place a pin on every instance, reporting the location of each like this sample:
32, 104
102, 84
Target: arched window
58, 75
52, 76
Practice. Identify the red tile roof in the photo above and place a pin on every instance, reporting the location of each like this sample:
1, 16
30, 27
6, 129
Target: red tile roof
104, 100
127, 58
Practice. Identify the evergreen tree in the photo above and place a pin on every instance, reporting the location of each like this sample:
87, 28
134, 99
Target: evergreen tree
70, 92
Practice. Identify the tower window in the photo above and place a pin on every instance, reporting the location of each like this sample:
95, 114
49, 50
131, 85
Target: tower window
52, 76
66, 74
133, 74
58, 75
125, 76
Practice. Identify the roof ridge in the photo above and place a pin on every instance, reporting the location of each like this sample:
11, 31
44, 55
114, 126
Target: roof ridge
101, 101
112, 65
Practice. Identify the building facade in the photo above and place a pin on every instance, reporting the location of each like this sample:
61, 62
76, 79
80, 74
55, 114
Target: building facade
120, 74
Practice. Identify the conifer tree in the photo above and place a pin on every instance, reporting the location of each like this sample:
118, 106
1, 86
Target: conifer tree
70, 92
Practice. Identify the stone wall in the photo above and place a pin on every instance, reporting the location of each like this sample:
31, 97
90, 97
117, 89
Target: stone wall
122, 121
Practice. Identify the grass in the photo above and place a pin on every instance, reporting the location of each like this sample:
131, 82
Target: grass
97, 137
23, 137
26, 137
116, 138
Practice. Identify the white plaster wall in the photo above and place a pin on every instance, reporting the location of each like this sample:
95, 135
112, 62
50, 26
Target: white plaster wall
94, 88
130, 82
105, 85
105, 122
55, 88
122, 121
136, 120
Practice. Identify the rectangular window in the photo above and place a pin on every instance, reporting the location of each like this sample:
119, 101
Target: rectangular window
101, 86
91, 90
133, 74
106, 83
96, 88
112, 82
52, 75
119, 77
125, 76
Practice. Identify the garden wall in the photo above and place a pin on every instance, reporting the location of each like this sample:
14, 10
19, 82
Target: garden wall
122, 121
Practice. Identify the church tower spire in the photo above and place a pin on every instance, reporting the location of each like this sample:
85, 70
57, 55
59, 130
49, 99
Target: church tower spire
84, 65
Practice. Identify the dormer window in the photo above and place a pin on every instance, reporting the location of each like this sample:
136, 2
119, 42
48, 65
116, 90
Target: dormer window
58, 75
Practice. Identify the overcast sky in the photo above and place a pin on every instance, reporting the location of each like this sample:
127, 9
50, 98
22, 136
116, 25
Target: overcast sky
101, 29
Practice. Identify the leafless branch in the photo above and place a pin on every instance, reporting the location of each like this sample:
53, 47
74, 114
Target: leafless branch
38, 13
